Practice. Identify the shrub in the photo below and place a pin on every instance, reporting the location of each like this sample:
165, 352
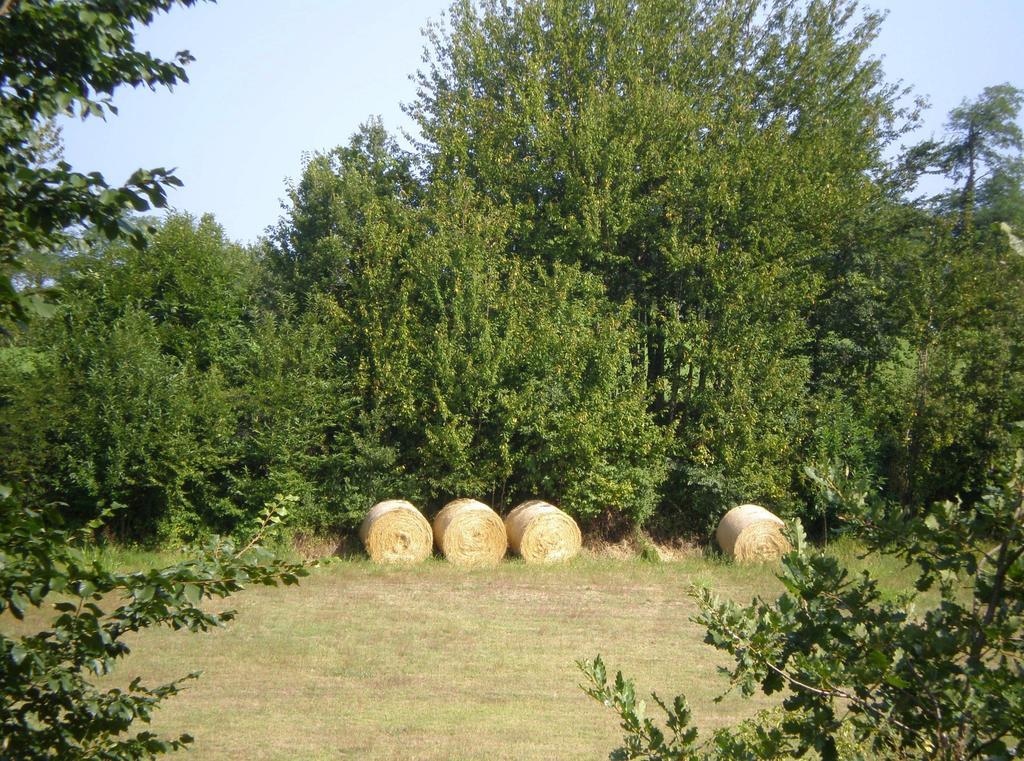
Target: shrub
943, 682
49, 706
162, 384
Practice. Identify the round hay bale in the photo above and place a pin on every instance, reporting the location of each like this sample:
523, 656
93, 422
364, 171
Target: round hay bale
751, 533
396, 532
541, 533
468, 532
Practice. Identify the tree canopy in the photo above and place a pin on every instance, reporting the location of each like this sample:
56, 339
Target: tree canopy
652, 259
66, 59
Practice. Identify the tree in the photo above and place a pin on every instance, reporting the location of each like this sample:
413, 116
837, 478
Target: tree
1001, 197
982, 137
162, 383
66, 58
59, 58
709, 161
328, 212
943, 681
946, 389
476, 372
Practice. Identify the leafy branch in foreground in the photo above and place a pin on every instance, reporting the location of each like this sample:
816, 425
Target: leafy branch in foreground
945, 682
67, 59
49, 708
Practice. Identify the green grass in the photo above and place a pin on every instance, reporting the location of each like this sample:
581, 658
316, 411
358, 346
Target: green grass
434, 662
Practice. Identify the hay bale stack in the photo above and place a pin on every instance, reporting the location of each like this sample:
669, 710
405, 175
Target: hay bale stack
751, 533
541, 533
396, 532
468, 532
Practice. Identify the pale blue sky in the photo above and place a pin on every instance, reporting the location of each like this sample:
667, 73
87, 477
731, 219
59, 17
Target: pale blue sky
275, 79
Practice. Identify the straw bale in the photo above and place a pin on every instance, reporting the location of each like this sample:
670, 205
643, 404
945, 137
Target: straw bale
541, 533
751, 533
396, 532
468, 532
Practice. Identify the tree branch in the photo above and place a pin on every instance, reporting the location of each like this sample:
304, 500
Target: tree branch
829, 692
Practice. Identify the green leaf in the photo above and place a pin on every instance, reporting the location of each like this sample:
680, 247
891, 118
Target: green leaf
878, 659
193, 593
18, 654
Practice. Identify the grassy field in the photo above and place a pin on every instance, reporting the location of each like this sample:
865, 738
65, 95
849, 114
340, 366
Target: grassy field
433, 662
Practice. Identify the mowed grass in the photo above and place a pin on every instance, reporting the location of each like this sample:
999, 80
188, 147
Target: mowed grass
436, 662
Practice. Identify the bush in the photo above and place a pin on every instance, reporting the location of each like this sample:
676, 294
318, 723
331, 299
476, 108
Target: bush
857, 667
162, 384
49, 706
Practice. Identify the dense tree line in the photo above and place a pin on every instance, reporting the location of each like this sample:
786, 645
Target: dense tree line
647, 260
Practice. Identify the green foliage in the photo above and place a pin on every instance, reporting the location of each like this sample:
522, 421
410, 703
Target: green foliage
527, 376
643, 738
293, 415
940, 682
119, 407
649, 260
161, 384
49, 704
59, 58
919, 326
709, 161
844, 446
339, 193
65, 58
477, 373
944, 397
983, 135
952, 379
164, 385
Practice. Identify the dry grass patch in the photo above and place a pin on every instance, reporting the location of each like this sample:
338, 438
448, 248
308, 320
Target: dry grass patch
436, 662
